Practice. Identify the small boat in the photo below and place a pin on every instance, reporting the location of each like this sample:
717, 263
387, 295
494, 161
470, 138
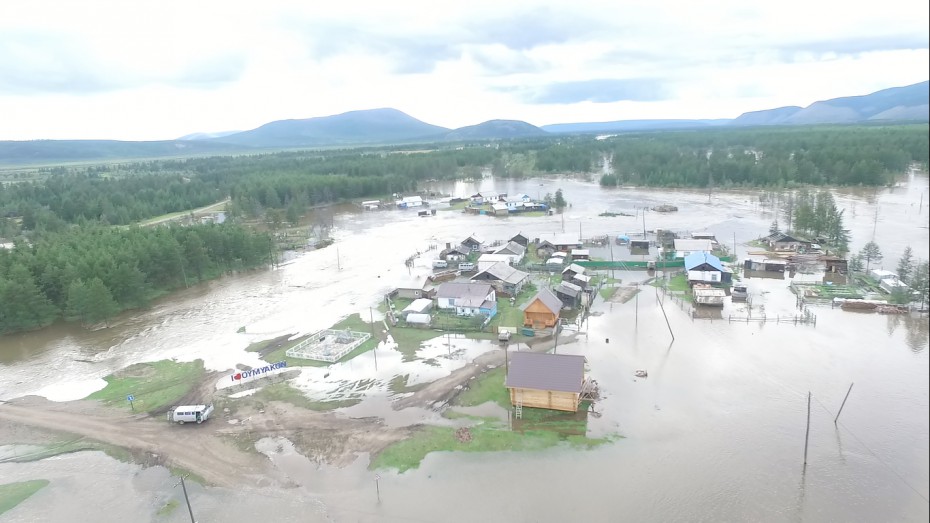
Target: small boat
642, 374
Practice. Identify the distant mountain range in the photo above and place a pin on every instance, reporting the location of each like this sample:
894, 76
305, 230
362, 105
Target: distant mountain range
390, 126
896, 104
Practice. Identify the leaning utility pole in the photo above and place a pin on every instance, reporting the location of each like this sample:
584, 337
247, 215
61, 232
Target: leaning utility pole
186, 499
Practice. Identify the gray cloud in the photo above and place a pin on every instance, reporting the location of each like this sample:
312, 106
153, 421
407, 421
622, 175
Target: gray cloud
212, 71
420, 53
43, 63
33, 63
604, 90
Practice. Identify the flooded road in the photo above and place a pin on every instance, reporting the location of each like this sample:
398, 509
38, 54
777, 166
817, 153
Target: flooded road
716, 432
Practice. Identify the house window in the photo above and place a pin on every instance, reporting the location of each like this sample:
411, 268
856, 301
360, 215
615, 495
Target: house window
714, 276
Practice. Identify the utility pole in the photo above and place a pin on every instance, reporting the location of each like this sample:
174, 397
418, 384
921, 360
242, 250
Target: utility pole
374, 351
844, 403
808, 432
338, 265
644, 223
186, 499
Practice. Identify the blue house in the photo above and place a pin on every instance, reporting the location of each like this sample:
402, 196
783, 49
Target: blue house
704, 267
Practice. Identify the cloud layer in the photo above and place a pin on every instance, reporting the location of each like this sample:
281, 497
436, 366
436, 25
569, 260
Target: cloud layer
124, 70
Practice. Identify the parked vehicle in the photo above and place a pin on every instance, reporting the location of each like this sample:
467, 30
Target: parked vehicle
440, 264
466, 266
190, 413
504, 335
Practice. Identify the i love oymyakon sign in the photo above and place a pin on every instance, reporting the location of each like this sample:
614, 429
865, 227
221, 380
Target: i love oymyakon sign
257, 372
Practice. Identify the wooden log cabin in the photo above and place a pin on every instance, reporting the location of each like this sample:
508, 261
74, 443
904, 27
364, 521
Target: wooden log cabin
546, 381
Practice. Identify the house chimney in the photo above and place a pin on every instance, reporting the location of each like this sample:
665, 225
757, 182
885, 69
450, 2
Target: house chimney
448, 245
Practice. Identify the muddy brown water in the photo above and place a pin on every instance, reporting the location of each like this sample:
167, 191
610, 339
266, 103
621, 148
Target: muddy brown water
716, 431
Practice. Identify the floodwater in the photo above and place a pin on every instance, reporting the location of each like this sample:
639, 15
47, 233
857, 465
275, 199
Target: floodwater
716, 432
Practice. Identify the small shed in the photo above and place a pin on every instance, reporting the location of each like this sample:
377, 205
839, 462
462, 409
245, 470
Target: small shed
555, 262
686, 247
569, 294
835, 264
581, 280
521, 239
569, 272
419, 320
705, 295
581, 254
500, 209
642, 246
542, 311
545, 381
418, 306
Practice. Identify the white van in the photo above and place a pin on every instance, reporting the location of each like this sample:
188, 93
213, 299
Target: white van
466, 266
440, 264
190, 413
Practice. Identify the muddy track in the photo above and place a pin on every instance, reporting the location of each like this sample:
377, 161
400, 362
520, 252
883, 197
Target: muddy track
209, 450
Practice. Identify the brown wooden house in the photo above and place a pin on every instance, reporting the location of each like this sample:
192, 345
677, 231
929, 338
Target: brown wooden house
542, 311
546, 381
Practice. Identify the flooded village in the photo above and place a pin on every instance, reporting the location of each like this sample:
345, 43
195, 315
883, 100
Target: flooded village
623, 354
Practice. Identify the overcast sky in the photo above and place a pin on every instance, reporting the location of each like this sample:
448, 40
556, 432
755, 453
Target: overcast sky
158, 70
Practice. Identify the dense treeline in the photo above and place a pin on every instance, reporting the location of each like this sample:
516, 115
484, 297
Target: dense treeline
127, 193
91, 273
858, 155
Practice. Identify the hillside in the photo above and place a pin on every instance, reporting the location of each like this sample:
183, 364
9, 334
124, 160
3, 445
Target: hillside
354, 127
57, 151
897, 103
496, 129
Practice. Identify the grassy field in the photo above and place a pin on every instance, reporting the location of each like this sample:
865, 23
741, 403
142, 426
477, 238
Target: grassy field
607, 292
168, 508
409, 340
511, 315
538, 429
154, 385
12, 494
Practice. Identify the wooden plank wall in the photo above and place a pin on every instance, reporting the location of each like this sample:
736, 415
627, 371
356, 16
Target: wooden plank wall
546, 399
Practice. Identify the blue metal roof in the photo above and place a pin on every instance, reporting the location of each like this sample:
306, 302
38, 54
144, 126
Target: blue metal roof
698, 258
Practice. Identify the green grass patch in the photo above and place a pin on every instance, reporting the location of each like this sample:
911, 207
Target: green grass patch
168, 508
12, 494
154, 385
408, 454
530, 214
607, 292
677, 283
510, 315
489, 387
537, 430
283, 392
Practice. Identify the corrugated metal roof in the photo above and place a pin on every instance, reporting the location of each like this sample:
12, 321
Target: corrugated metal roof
532, 370
503, 272
551, 301
464, 290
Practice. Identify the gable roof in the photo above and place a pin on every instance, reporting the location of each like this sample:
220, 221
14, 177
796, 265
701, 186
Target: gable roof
458, 249
568, 289
503, 272
541, 371
696, 259
415, 282
512, 247
551, 301
473, 238
577, 269
561, 239
464, 291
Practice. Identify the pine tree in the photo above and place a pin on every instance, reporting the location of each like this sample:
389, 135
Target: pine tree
906, 265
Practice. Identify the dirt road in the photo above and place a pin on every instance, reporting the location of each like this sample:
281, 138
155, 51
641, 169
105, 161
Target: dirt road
216, 450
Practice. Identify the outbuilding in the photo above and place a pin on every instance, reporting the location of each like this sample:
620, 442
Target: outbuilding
546, 381
542, 311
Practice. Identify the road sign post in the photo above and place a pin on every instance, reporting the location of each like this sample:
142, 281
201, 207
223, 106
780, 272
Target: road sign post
130, 398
